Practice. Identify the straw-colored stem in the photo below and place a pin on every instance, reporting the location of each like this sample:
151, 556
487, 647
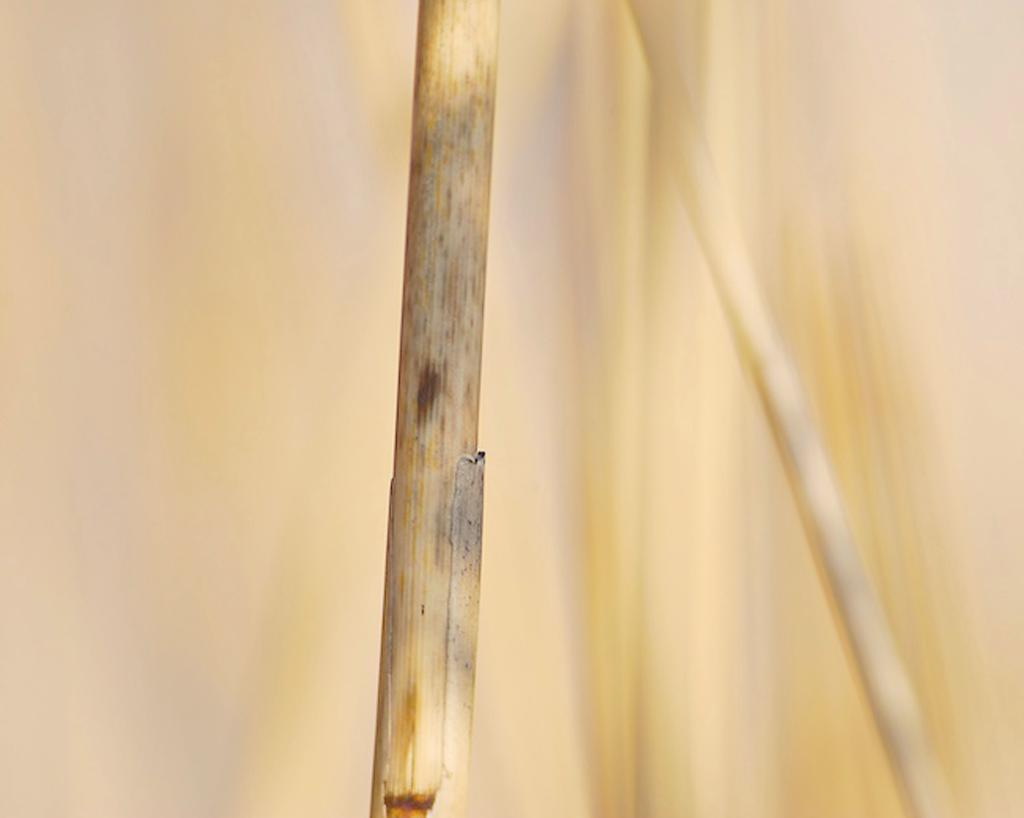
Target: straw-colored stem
884, 678
428, 649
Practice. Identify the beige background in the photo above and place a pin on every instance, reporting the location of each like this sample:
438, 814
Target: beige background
201, 232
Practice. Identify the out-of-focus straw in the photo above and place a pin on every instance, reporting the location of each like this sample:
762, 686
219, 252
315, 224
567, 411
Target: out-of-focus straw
859, 613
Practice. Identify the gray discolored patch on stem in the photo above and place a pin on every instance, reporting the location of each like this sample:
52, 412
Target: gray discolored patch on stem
464, 590
468, 504
463, 618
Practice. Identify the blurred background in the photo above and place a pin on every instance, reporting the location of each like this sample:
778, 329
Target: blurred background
202, 211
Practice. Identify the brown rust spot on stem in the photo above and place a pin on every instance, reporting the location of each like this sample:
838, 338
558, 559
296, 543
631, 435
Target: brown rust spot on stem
405, 725
409, 805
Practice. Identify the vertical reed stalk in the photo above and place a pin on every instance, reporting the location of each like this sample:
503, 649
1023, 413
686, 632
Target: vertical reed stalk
860, 616
428, 650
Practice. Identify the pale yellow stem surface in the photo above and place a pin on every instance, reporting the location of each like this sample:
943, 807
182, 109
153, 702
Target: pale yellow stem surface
431, 588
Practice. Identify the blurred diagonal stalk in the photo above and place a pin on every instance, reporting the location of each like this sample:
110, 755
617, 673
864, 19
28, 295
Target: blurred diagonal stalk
428, 646
884, 678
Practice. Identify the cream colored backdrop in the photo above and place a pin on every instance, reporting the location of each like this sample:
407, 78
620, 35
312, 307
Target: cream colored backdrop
201, 233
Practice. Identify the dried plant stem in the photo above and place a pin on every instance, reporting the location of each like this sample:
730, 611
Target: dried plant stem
859, 613
425, 698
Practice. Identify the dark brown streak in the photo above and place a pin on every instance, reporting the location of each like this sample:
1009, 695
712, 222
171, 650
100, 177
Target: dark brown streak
410, 804
427, 391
